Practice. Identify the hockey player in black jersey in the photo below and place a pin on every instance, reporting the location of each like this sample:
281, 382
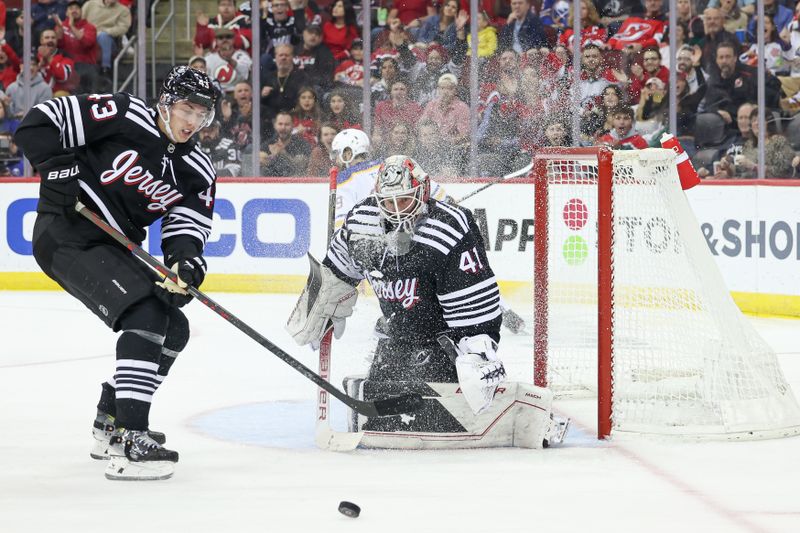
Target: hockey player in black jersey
426, 262
132, 165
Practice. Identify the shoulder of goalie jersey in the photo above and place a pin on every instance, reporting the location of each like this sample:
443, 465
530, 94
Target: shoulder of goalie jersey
365, 212
444, 227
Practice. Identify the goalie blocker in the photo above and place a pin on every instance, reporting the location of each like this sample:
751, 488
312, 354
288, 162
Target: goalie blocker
519, 416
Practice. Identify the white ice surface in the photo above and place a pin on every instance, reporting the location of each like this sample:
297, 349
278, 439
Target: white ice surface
242, 421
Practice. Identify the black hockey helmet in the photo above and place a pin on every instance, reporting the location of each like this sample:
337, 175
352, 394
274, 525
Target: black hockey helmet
186, 83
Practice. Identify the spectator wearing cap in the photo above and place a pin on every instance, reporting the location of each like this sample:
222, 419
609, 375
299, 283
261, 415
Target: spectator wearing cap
77, 37
39, 90
399, 107
425, 74
227, 65
614, 12
653, 109
650, 67
340, 31
734, 83
112, 20
350, 72
523, 29
450, 114
315, 59
227, 16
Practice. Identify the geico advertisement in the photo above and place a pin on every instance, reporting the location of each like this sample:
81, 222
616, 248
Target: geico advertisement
268, 228
753, 233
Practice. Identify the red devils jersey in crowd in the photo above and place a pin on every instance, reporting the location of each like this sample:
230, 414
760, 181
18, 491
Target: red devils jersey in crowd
58, 71
633, 141
635, 30
240, 24
589, 35
133, 174
444, 281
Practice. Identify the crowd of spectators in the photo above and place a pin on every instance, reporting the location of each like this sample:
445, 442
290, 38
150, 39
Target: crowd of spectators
312, 78
311, 58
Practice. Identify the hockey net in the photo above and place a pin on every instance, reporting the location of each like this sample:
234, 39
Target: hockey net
631, 307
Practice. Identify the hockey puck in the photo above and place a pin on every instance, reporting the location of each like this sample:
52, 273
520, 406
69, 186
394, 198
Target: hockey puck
349, 509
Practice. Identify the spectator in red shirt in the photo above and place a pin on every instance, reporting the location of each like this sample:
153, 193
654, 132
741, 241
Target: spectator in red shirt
591, 30
623, 136
9, 65
57, 70
411, 12
399, 108
637, 33
227, 16
306, 116
339, 33
351, 71
77, 37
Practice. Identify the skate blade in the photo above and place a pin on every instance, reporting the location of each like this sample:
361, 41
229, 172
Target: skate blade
121, 469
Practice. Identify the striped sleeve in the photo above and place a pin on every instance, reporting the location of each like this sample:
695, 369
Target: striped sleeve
477, 304
65, 113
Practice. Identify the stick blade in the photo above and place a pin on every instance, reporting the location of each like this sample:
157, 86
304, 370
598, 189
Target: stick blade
405, 403
336, 441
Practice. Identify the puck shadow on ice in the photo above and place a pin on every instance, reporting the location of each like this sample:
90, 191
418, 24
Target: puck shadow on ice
278, 424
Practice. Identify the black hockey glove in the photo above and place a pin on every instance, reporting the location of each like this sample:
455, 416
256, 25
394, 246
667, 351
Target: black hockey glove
190, 272
59, 187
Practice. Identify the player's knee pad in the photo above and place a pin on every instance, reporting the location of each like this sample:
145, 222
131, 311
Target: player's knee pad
177, 332
144, 327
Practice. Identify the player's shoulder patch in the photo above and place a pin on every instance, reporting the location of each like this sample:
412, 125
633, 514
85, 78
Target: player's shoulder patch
139, 114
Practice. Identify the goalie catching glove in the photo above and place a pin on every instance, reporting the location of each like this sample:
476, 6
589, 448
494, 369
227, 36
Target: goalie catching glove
326, 299
189, 272
479, 371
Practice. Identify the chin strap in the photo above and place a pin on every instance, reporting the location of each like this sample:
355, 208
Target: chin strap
164, 116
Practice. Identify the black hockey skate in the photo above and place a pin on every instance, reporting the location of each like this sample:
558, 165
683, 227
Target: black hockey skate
103, 430
134, 455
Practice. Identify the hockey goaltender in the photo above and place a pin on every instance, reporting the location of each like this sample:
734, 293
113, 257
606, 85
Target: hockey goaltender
426, 262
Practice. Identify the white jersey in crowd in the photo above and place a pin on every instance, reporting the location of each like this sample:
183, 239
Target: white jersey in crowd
356, 182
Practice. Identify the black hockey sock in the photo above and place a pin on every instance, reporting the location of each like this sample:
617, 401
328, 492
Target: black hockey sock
133, 414
107, 400
176, 340
136, 378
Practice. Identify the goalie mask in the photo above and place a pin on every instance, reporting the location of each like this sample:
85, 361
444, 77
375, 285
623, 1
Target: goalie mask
402, 191
190, 96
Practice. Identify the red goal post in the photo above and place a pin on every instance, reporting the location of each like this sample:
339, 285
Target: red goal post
630, 306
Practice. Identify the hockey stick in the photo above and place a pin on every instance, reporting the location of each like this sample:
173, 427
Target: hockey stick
324, 436
521, 172
389, 406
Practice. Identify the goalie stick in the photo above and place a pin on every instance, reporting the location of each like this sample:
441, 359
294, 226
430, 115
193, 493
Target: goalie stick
390, 406
517, 173
324, 436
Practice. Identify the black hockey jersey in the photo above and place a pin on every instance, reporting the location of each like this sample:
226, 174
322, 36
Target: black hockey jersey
444, 282
137, 175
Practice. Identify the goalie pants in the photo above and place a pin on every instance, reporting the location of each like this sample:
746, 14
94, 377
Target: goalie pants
410, 360
119, 290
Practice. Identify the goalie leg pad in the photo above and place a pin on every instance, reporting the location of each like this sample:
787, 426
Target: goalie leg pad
519, 416
325, 299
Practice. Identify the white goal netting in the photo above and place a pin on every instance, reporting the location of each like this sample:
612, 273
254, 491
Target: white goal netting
685, 359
